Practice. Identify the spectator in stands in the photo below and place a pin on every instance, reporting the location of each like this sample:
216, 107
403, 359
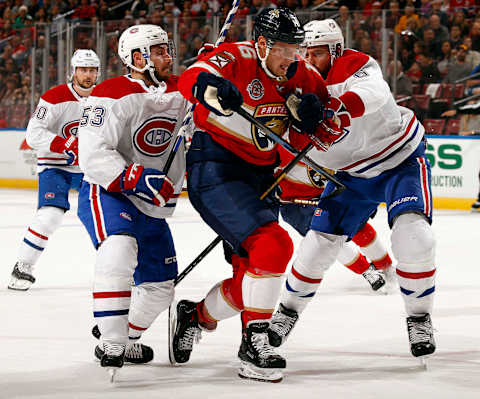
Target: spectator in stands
455, 36
429, 71
7, 30
409, 13
255, 7
475, 35
446, 59
8, 98
406, 58
440, 31
432, 46
84, 12
393, 14
437, 10
459, 19
403, 82
458, 69
473, 57
425, 7
415, 73
470, 117
20, 18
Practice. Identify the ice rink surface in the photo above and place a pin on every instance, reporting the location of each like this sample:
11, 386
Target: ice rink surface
349, 343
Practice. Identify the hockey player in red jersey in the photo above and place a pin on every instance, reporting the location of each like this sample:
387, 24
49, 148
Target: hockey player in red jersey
229, 164
127, 134
52, 133
380, 157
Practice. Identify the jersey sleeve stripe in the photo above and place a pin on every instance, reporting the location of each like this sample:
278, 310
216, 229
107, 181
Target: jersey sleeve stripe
206, 66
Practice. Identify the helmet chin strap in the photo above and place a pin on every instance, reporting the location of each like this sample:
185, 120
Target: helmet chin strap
263, 62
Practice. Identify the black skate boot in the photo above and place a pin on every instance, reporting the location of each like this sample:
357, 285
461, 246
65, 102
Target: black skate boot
183, 330
420, 334
134, 353
258, 359
374, 278
281, 324
22, 277
112, 358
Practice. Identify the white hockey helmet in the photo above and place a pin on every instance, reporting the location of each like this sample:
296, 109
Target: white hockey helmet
325, 32
141, 38
84, 58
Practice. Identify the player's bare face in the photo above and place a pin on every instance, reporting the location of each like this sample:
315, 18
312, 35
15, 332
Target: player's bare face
280, 57
85, 77
319, 57
162, 61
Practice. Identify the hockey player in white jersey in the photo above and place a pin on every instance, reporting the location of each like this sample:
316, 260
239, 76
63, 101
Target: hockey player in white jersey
52, 132
125, 197
380, 158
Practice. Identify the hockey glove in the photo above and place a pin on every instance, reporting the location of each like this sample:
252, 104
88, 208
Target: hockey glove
66, 146
217, 94
307, 111
326, 133
151, 185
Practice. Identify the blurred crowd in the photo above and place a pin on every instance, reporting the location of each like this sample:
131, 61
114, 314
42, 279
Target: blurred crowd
438, 41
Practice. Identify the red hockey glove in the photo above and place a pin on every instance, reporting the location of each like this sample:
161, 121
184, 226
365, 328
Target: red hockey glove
151, 185
325, 134
66, 146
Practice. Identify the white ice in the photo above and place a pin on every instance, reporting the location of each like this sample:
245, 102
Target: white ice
349, 343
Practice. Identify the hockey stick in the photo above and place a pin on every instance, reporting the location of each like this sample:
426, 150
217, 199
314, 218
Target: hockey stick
339, 186
189, 115
218, 239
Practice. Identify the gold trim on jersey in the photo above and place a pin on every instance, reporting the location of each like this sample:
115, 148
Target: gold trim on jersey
229, 131
273, 116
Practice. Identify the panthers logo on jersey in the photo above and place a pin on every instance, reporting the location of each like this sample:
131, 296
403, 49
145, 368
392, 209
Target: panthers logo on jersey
153, 137
316, 179
70, 128
273, 116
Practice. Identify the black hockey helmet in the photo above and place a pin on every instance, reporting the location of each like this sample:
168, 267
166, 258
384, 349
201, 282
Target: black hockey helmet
278, 25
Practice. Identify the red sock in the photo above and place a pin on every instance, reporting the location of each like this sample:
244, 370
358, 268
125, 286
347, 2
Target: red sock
359, 265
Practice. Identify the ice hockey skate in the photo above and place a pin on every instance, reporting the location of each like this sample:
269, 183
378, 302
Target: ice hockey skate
420, 335
183, 331
135, 353
112, 358
374, 278
22, 277
391, 285
258, 359
281, 325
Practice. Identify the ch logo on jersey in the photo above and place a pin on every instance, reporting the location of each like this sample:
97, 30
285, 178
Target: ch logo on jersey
255, 89
153, 137
273, 116
70, 128
316, 179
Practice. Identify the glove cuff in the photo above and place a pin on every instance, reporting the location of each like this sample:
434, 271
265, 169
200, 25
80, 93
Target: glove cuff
57, 145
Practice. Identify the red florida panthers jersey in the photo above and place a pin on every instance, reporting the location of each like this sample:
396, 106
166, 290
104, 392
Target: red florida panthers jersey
263, 97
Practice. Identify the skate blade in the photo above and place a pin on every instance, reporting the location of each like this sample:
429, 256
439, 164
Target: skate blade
250, 372
19, 285
112, 371
424, 362
172, 323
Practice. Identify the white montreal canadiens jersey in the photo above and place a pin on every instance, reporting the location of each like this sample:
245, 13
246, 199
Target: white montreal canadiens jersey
58, 113
382, 134
129, 122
